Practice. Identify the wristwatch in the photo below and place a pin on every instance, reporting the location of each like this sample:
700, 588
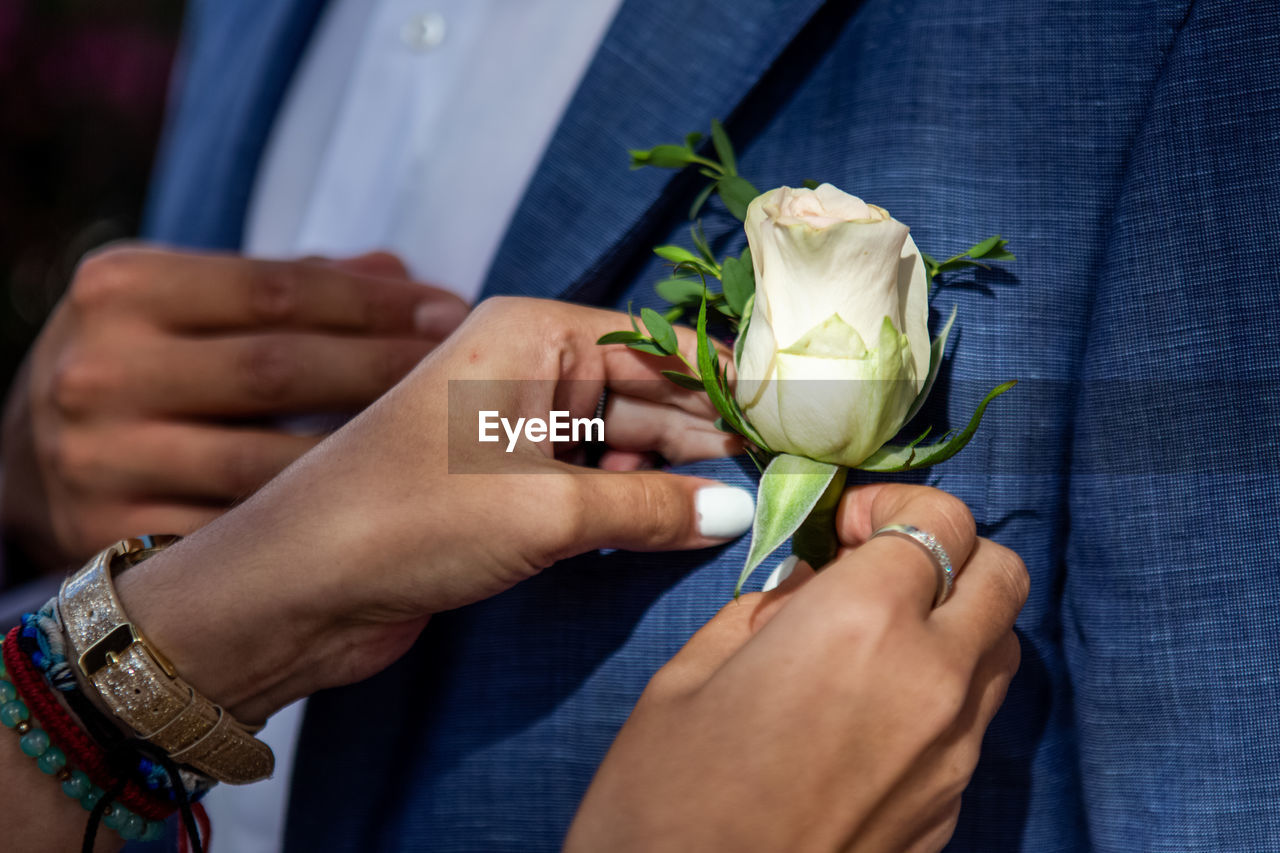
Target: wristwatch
139, 685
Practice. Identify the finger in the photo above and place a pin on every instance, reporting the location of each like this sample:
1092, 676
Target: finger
97, 524
728, 631
261, 374
656, 511
640, 425
626, 460
379, 263
986, 600
896, 570
202, 293
176, 460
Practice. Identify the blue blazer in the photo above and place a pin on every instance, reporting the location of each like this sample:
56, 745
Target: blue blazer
1129, 151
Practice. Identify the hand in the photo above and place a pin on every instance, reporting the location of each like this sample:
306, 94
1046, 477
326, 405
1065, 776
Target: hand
838, 712
404, 513
147, 402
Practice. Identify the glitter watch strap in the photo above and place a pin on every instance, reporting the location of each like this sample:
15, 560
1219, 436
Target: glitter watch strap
138, 684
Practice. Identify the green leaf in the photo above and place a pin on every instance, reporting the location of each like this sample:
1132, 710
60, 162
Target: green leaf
647, 346
684, 380
789, 490
724, 148
736, 193
739, 282
622, 337
936, 350
677, 255
700, 241
662, 157
691, 140
663, 335
909, 457
679, 291
810, 184
632, 317
984, 247
700, 200
1000, 254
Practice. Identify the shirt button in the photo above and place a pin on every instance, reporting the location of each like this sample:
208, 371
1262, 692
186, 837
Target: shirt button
423, 32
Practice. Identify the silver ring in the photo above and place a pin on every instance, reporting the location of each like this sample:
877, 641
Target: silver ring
930, 543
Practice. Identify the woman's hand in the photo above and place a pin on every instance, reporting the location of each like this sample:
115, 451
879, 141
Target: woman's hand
838, 712
329, 573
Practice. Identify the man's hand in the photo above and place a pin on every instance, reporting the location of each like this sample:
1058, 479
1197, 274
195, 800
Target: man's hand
837, 712
150, 401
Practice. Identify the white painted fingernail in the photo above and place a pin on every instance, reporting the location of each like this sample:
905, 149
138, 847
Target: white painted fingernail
724, 512
780, 572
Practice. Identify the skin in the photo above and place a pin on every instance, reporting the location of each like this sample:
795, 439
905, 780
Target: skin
150, 399
876, 705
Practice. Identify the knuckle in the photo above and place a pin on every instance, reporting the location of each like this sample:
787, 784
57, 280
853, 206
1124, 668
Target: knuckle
74, 464
78, 385
956, 516
274, 291
268, 368
570, 524
658, 510
104, 276
1014, 576
672, 682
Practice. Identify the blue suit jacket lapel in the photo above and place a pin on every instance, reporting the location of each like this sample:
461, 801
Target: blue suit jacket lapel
232, 88
665, 68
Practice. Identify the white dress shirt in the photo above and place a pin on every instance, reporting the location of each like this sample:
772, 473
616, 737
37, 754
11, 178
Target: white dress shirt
413, 127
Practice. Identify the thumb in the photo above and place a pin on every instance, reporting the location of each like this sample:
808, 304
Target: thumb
657, 511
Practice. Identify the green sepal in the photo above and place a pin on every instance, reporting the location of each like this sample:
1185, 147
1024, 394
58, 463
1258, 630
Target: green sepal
789, 489
714, 383
936, 351
911, 456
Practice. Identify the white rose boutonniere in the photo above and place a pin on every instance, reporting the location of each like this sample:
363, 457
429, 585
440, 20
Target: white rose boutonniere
829, 305
838, 345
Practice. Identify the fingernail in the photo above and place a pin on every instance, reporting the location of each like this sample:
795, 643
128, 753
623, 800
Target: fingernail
780, 572
724, 512
438, 319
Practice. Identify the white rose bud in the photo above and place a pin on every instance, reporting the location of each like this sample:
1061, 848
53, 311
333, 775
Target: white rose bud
838, 344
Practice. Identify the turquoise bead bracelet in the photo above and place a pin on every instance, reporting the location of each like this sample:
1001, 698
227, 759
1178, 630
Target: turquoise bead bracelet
34, 742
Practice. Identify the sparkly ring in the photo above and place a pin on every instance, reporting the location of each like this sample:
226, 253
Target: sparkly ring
929, 542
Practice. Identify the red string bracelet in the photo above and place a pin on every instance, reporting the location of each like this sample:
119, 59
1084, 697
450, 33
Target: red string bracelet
66, 733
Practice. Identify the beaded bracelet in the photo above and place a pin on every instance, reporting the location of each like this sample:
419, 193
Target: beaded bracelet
43, 641
52, 761
87, 754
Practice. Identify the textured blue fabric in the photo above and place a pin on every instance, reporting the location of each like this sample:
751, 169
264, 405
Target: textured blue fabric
1127, 149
